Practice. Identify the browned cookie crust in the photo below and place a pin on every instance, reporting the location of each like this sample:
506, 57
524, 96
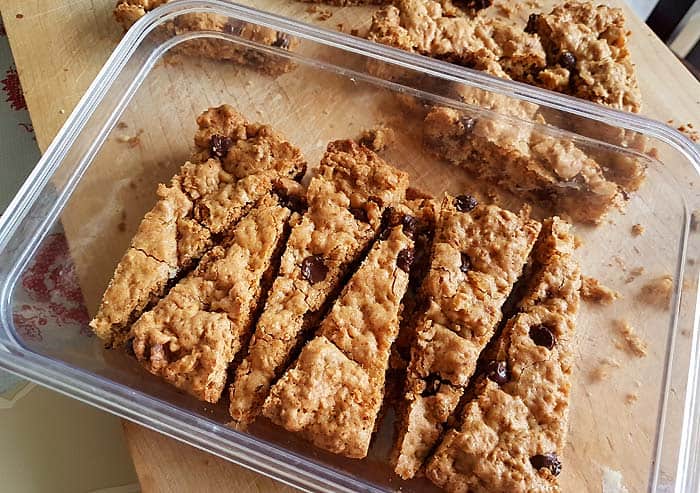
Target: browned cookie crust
346, 199
192, 335
127, 12
512, 433
478, 254
236, 164
362, 325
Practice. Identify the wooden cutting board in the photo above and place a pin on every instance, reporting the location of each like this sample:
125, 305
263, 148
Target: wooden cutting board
59, 46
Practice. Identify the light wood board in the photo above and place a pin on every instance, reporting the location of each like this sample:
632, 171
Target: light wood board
59, 48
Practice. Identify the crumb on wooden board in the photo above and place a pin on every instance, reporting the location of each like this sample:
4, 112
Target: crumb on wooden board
603, 369
377, 138
658, 292
637, 230
593, 291
630, 341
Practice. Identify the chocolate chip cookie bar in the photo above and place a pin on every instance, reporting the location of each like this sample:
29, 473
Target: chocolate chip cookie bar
333, 393
346, 199
236, 164
191, 336
479, 252
127, 12
587, 54
512, 433
518, 157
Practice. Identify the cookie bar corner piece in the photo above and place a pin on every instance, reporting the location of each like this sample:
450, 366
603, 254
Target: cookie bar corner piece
479, 252
512, 434
333, 397
193, 334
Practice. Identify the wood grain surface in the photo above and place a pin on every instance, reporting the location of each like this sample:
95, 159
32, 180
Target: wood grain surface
59, 46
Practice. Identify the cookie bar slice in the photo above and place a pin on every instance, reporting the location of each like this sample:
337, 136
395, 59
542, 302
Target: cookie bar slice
333, 393
236, 164
346, 199
191, 336
479, 252
438, 30
587, 54
127, 12
525, 161
513, 432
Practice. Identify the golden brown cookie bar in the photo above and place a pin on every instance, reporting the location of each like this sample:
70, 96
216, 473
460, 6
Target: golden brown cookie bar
127, 12
512, 433
191, 336
362, 324
346, 199
478, 254
239, 166
540, 168
587, 53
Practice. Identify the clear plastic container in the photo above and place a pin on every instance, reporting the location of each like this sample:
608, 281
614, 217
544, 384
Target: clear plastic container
133, 129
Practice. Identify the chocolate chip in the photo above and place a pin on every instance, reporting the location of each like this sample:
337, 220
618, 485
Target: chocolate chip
313, 269
360, 214
467, 123
465, 203
567, 60
219, 145
409, 225
496, 371
432, 385
548, 461
542, 336
282, 41
405, 259
234, 26
532, 22
466, 263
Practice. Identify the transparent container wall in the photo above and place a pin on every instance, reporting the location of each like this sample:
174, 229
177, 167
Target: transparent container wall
627, 412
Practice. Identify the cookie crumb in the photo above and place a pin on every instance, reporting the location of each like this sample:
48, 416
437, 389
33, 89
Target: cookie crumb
631, 342
377, 138
657, 292
122, 125
593, 291
631, 398
637, 230
19, 16
602, 371
654, 153
695, 221
121, 225
132, 141
690, 132
634, 274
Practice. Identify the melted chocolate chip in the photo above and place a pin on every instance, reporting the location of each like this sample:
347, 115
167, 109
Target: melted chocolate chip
360, 214
467, 123
376, 200
234, 26
432, 385
219, 145
294, 203
313, 269
409, 225
567, 60
282, 41
548, 461
465, 203
466, 263
496, 371
532, 22
405, 259
542, 336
